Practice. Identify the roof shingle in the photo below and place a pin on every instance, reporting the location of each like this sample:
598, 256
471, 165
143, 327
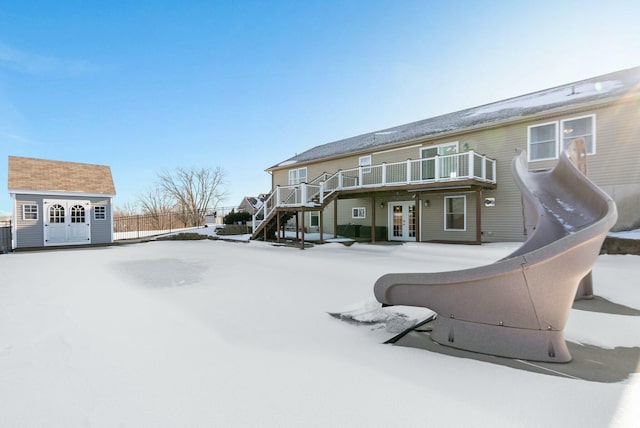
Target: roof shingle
28, 174
608, 86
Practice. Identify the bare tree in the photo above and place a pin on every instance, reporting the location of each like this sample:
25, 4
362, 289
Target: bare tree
194, 190
125, 210
156, 201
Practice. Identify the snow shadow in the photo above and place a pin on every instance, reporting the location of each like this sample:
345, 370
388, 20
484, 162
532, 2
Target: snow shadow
163, 272
604, 306
590, 363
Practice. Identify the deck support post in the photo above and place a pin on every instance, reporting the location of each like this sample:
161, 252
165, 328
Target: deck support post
478, 215
335, 218
373, 218
302, 231
320, 223
417, 216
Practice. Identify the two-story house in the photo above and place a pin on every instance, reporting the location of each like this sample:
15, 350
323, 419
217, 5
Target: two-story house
448, 178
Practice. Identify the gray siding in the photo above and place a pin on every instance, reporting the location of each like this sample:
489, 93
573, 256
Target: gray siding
433, 219
101, 229
615, 167
30, 233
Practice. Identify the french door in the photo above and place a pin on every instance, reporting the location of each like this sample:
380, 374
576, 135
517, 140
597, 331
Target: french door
66, 222
402, 221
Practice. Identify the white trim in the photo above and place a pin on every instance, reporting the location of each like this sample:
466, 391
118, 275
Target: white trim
364, 212
366, 164
14, 224
111, 217
464, 199
95, 213
297, 179
37, 212
406, 208
53, 193
593, 130
396, 149
437, 146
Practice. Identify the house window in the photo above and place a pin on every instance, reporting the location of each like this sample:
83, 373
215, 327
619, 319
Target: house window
100, 212
77, 214
543, 141
297, 176
579, 127
455, 208
448, 164
358, 212
365, 161
314, 218
29, 212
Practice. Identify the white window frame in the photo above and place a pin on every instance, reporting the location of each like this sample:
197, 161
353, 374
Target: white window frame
102, 215
294, 176
365, 162
359, 212
555, 143
441, 148
25, 212
593, 131
559, 136
450, 169
464, 213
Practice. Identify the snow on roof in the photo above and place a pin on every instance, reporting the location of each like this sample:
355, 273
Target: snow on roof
604, 87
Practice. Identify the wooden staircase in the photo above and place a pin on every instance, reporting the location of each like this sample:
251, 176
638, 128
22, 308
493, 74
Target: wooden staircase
267, 229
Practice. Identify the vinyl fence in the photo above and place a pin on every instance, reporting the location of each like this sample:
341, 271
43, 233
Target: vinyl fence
5, 236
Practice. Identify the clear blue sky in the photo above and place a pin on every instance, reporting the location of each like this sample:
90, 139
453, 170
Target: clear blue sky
147, 86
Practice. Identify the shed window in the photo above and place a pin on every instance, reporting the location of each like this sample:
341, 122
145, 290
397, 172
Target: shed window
56, 214
455, 208
359, 212
100, 212
29, 212
77, 214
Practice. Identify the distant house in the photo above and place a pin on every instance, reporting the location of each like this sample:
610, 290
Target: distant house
448, 178
251, 204
60, 203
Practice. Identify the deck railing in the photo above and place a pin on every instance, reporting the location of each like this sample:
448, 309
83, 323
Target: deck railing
448, 168
438, 169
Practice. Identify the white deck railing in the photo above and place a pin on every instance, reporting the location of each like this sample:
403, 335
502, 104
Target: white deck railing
438, 169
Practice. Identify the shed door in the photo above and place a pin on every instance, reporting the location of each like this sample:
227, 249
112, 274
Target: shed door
66, 222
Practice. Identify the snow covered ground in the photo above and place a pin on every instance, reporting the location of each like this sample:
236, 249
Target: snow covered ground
224, 334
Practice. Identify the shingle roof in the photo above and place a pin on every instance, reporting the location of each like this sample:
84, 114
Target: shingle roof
608, 86
28, 174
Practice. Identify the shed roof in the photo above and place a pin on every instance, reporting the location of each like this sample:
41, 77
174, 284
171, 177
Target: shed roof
608, 86
40, 175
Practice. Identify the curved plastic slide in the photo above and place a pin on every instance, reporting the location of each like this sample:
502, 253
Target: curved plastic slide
518, 306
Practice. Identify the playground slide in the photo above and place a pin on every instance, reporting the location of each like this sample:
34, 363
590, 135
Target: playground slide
517, 307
